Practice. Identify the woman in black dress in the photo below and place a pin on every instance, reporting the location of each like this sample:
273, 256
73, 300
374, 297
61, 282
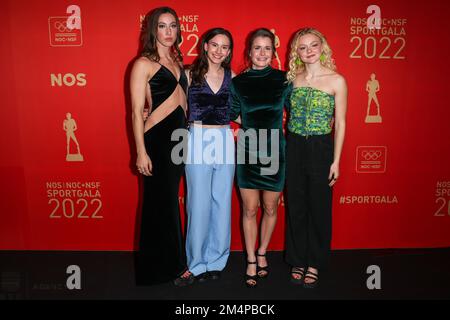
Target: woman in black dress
157, 77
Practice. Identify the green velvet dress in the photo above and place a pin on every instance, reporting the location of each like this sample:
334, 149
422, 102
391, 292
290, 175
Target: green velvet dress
258, 96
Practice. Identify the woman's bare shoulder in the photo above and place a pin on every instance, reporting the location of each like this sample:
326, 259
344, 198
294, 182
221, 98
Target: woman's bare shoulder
145, 63
337, 79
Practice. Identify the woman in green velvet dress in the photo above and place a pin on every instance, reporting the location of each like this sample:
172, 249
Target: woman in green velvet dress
258, 97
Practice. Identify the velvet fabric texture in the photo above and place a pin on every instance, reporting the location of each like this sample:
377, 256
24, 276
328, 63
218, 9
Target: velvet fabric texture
208, 107
258, 96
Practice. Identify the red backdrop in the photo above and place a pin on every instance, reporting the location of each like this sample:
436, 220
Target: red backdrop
394, 189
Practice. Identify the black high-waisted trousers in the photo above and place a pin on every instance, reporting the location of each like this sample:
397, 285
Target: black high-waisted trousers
309, 200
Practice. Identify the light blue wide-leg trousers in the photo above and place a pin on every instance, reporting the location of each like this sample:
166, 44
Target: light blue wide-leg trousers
209, 177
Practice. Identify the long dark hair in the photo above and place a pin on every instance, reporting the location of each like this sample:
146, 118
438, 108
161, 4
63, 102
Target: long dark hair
149, 31
200, 66
261, 32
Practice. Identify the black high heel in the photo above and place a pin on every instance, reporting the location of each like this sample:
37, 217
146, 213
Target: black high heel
300, 271
251, 281
185, 279
259, 269
312, 276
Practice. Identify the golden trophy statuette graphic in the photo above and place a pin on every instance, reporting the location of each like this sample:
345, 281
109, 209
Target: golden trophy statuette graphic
70, 126
277, 45
372, 87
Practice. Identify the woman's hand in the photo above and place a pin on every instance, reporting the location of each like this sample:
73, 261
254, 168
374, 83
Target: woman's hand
145, 114
144, 164
334, 173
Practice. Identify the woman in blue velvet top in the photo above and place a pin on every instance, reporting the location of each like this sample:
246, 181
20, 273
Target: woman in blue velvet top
258, 99
210, 161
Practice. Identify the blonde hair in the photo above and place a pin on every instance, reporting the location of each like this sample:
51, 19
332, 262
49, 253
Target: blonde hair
295, 67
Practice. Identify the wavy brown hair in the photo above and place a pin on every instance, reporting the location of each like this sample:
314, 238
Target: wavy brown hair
150, 30
200, 66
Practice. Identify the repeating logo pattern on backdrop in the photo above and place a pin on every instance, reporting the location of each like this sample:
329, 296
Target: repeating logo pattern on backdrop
79, 199
375, 37
80, 191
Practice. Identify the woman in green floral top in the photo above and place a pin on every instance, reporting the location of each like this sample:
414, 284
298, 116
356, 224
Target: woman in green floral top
318, 100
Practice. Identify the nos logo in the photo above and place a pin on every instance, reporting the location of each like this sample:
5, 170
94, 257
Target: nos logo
68, 79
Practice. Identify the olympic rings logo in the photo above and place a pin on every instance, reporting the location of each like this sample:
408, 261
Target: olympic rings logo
371, 155
61, 26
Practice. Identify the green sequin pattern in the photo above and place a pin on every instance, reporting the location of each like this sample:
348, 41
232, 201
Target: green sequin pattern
311, 111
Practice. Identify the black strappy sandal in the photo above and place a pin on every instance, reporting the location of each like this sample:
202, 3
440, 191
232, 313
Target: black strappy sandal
251, 281
265, 269
300, 272
313, 276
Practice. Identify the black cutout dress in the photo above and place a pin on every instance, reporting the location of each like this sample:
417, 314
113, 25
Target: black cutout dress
162, 256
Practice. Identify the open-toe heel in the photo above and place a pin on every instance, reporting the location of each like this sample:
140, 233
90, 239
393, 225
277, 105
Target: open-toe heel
300, 272
262, 272
186, 279
251, 281
312, 276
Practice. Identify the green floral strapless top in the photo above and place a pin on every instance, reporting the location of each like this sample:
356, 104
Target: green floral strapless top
311, 111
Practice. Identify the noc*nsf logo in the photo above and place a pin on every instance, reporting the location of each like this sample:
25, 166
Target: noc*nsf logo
371, 159
65, 31
70, 126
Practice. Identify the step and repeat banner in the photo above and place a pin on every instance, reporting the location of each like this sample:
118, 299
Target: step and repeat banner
68, 179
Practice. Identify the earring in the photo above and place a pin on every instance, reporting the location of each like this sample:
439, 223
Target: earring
298, 61
322, 57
